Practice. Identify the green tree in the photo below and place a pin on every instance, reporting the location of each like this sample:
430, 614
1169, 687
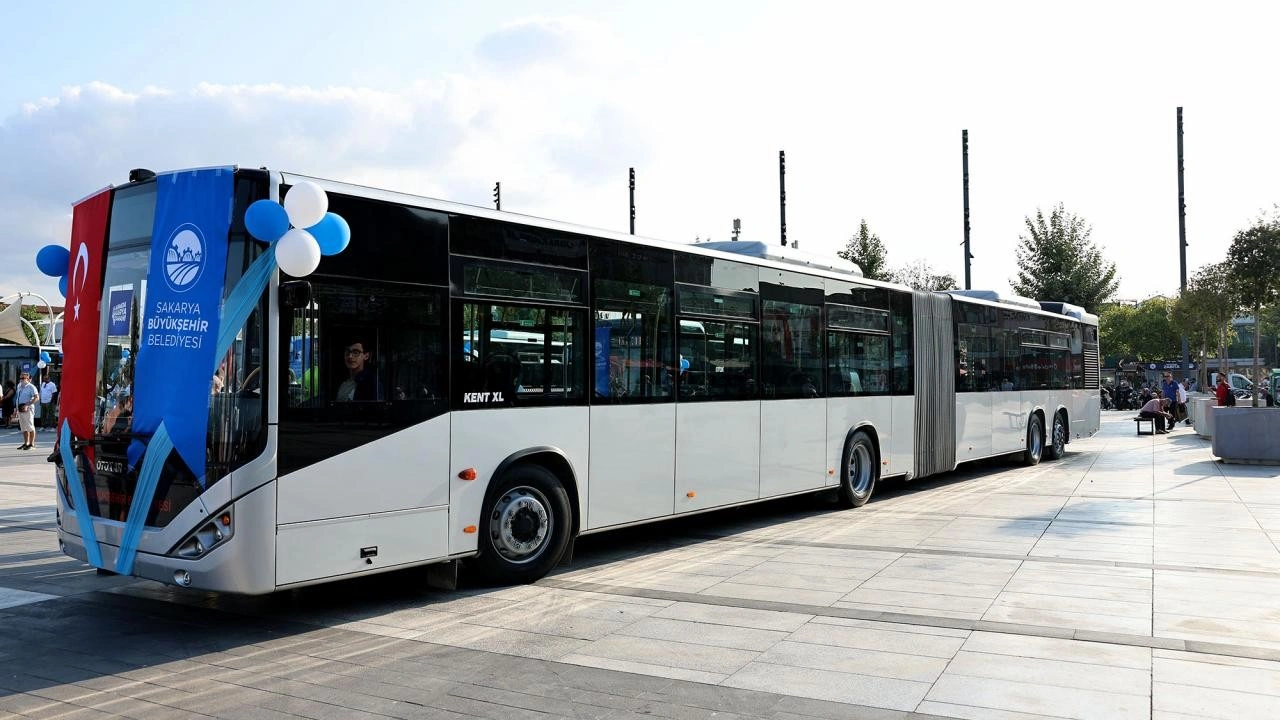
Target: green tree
1203, 314
920, 275
1114, 321
1143, 331
1057, 261
868, 252
1254, 257
1153, 336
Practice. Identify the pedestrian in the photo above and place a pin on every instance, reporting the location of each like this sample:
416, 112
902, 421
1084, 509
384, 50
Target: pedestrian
25, 396
48, 393
1223, 391
1154, 409
1182, 402
1170, 390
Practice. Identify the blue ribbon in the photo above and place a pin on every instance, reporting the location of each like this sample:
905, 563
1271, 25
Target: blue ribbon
235, 312
157, 452
78, 496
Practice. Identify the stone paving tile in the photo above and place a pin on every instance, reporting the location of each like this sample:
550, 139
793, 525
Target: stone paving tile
1255, 490
918, 603
808, 576
704, 634
1093, 509
838, 558
878, 638
650, 651
877, 663
1057, 673
1033, 698
775, 594
891, 626
1208, 487
1202, 514
734, 617
933, 587
830, 685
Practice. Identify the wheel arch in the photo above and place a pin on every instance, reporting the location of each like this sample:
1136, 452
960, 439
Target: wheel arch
1066, 421
865, 427
553, 460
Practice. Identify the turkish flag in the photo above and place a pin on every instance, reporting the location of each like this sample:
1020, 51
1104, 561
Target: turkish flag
80, 319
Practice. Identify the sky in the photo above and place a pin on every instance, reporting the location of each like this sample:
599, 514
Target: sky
1071, 103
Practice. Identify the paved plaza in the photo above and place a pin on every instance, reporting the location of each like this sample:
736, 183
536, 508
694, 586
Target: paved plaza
1134, 578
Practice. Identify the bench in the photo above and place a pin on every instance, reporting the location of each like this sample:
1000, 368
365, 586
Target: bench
1151, 423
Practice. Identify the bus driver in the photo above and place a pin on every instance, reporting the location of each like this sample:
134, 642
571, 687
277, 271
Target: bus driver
361, 382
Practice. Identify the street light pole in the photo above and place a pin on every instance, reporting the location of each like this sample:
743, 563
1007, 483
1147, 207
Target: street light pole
782, 194
964, 165
632, 174
1182, 237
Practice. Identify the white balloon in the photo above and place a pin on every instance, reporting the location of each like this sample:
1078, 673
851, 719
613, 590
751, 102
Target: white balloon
297, 253
40, 364
306, 204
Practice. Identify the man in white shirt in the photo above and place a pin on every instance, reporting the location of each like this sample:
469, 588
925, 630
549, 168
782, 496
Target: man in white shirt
1182, 402
48, 413
25, 397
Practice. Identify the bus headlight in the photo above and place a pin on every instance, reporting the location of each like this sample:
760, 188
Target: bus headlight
212, 533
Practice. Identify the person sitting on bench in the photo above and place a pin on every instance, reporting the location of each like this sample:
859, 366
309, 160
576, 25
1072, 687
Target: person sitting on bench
1155, 409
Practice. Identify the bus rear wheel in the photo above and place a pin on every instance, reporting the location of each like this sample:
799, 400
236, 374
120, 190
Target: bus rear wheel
1057, 444
859, 471
525, 526
1035, 441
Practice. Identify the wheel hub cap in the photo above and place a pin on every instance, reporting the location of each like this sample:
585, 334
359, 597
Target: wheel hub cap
520, 524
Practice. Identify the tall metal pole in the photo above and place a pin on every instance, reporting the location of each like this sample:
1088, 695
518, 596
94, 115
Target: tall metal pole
497, 196
1182, 236
964, 163
633, 200
782, 194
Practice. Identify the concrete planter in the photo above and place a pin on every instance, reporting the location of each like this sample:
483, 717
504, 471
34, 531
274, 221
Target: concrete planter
1201, 415
1246, 435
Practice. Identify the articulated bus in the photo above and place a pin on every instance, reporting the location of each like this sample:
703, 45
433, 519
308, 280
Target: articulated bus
526, 381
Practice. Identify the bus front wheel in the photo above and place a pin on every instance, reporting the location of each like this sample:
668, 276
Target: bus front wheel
859, 471
525, 526
1035, 441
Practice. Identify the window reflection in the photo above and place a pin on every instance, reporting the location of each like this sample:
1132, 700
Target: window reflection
519, 355
365, 359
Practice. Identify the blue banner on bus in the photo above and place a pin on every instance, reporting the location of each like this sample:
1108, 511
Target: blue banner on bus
602, 360
121, 302
180, 320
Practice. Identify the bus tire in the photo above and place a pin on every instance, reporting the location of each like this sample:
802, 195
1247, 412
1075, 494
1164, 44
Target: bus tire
859, 470
1056, 446
525, 526
1035, 440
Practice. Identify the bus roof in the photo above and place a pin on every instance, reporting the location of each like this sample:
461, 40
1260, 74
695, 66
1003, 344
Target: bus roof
502, 215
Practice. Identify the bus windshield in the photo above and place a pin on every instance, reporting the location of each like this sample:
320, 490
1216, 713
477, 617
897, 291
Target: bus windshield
237, 397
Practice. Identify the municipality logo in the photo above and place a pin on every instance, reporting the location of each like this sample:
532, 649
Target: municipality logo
184, 258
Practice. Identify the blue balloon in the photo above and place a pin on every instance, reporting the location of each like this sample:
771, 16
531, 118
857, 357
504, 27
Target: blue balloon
332, 233
53, 260
45, 356
266, 220
124, 353
62, 285
684, 364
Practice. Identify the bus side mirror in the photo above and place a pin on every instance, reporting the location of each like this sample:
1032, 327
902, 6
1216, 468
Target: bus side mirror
295, 294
